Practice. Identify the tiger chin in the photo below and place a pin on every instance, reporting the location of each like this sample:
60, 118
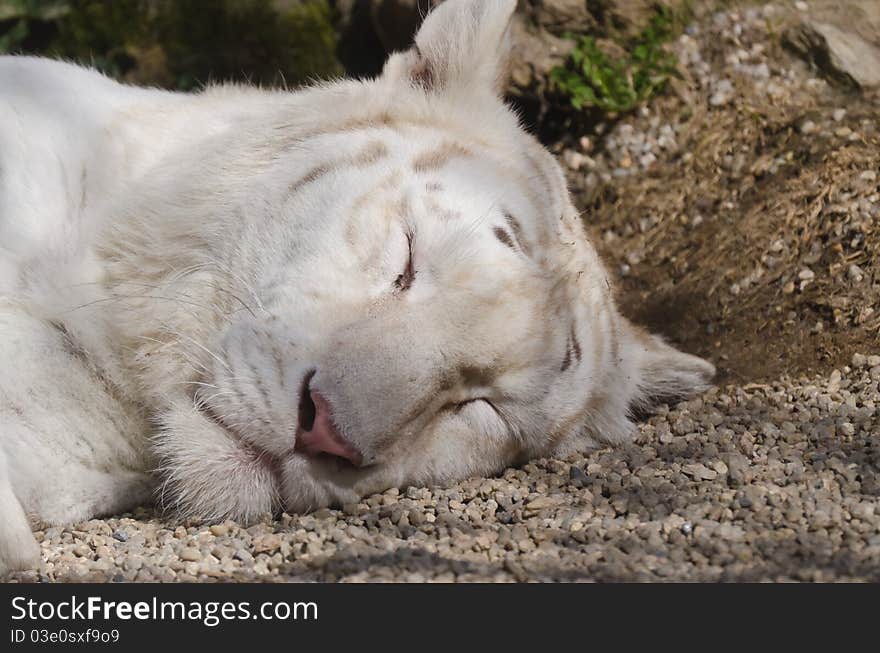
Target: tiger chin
240, 301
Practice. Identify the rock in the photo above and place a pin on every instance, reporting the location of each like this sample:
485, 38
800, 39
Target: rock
133, 563
855, 273
190, 554
842, 55
541, 503
863, 510
576, 475
537, 52
737, 466
820, 519
647, 160
834, 381
219, 530
731, 532
698, 472
559, 16
723, 93
720, 467
574, 160
267, 543
683, 426
244, 555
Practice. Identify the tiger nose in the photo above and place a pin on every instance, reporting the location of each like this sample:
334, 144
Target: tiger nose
316, 433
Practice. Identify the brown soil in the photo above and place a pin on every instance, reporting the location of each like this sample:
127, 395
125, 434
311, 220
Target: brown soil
749, 203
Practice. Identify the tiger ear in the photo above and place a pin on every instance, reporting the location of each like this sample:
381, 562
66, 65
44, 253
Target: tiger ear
461, 44
662, 373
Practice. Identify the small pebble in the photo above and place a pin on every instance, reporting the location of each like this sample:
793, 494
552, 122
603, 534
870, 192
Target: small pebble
190, 554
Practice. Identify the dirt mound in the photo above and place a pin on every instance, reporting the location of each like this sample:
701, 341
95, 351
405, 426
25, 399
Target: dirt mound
741, 212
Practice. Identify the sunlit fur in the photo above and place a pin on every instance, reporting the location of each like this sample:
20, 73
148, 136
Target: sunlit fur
173, 266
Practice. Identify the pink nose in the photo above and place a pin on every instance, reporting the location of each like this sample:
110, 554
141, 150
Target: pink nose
323, 437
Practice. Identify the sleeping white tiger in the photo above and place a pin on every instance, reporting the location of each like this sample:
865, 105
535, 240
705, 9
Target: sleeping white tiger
244, 300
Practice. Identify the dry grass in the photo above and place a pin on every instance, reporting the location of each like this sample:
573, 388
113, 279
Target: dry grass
752, 201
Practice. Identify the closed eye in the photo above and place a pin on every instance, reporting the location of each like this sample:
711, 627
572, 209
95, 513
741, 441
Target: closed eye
478, 403
481, 414
461, 404
405, 279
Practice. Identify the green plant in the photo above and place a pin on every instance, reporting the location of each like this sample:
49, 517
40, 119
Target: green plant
593, 78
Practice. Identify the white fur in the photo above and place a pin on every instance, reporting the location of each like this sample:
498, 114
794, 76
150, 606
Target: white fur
172, 267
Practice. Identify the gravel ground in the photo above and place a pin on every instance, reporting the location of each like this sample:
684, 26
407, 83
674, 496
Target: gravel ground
776, 481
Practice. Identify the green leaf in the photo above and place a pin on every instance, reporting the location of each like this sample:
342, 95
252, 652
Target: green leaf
593, 78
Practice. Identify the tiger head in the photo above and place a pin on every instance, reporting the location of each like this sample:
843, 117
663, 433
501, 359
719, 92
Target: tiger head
410, 296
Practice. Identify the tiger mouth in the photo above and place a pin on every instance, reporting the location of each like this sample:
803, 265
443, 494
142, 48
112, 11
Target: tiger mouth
258, 455
304, 446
